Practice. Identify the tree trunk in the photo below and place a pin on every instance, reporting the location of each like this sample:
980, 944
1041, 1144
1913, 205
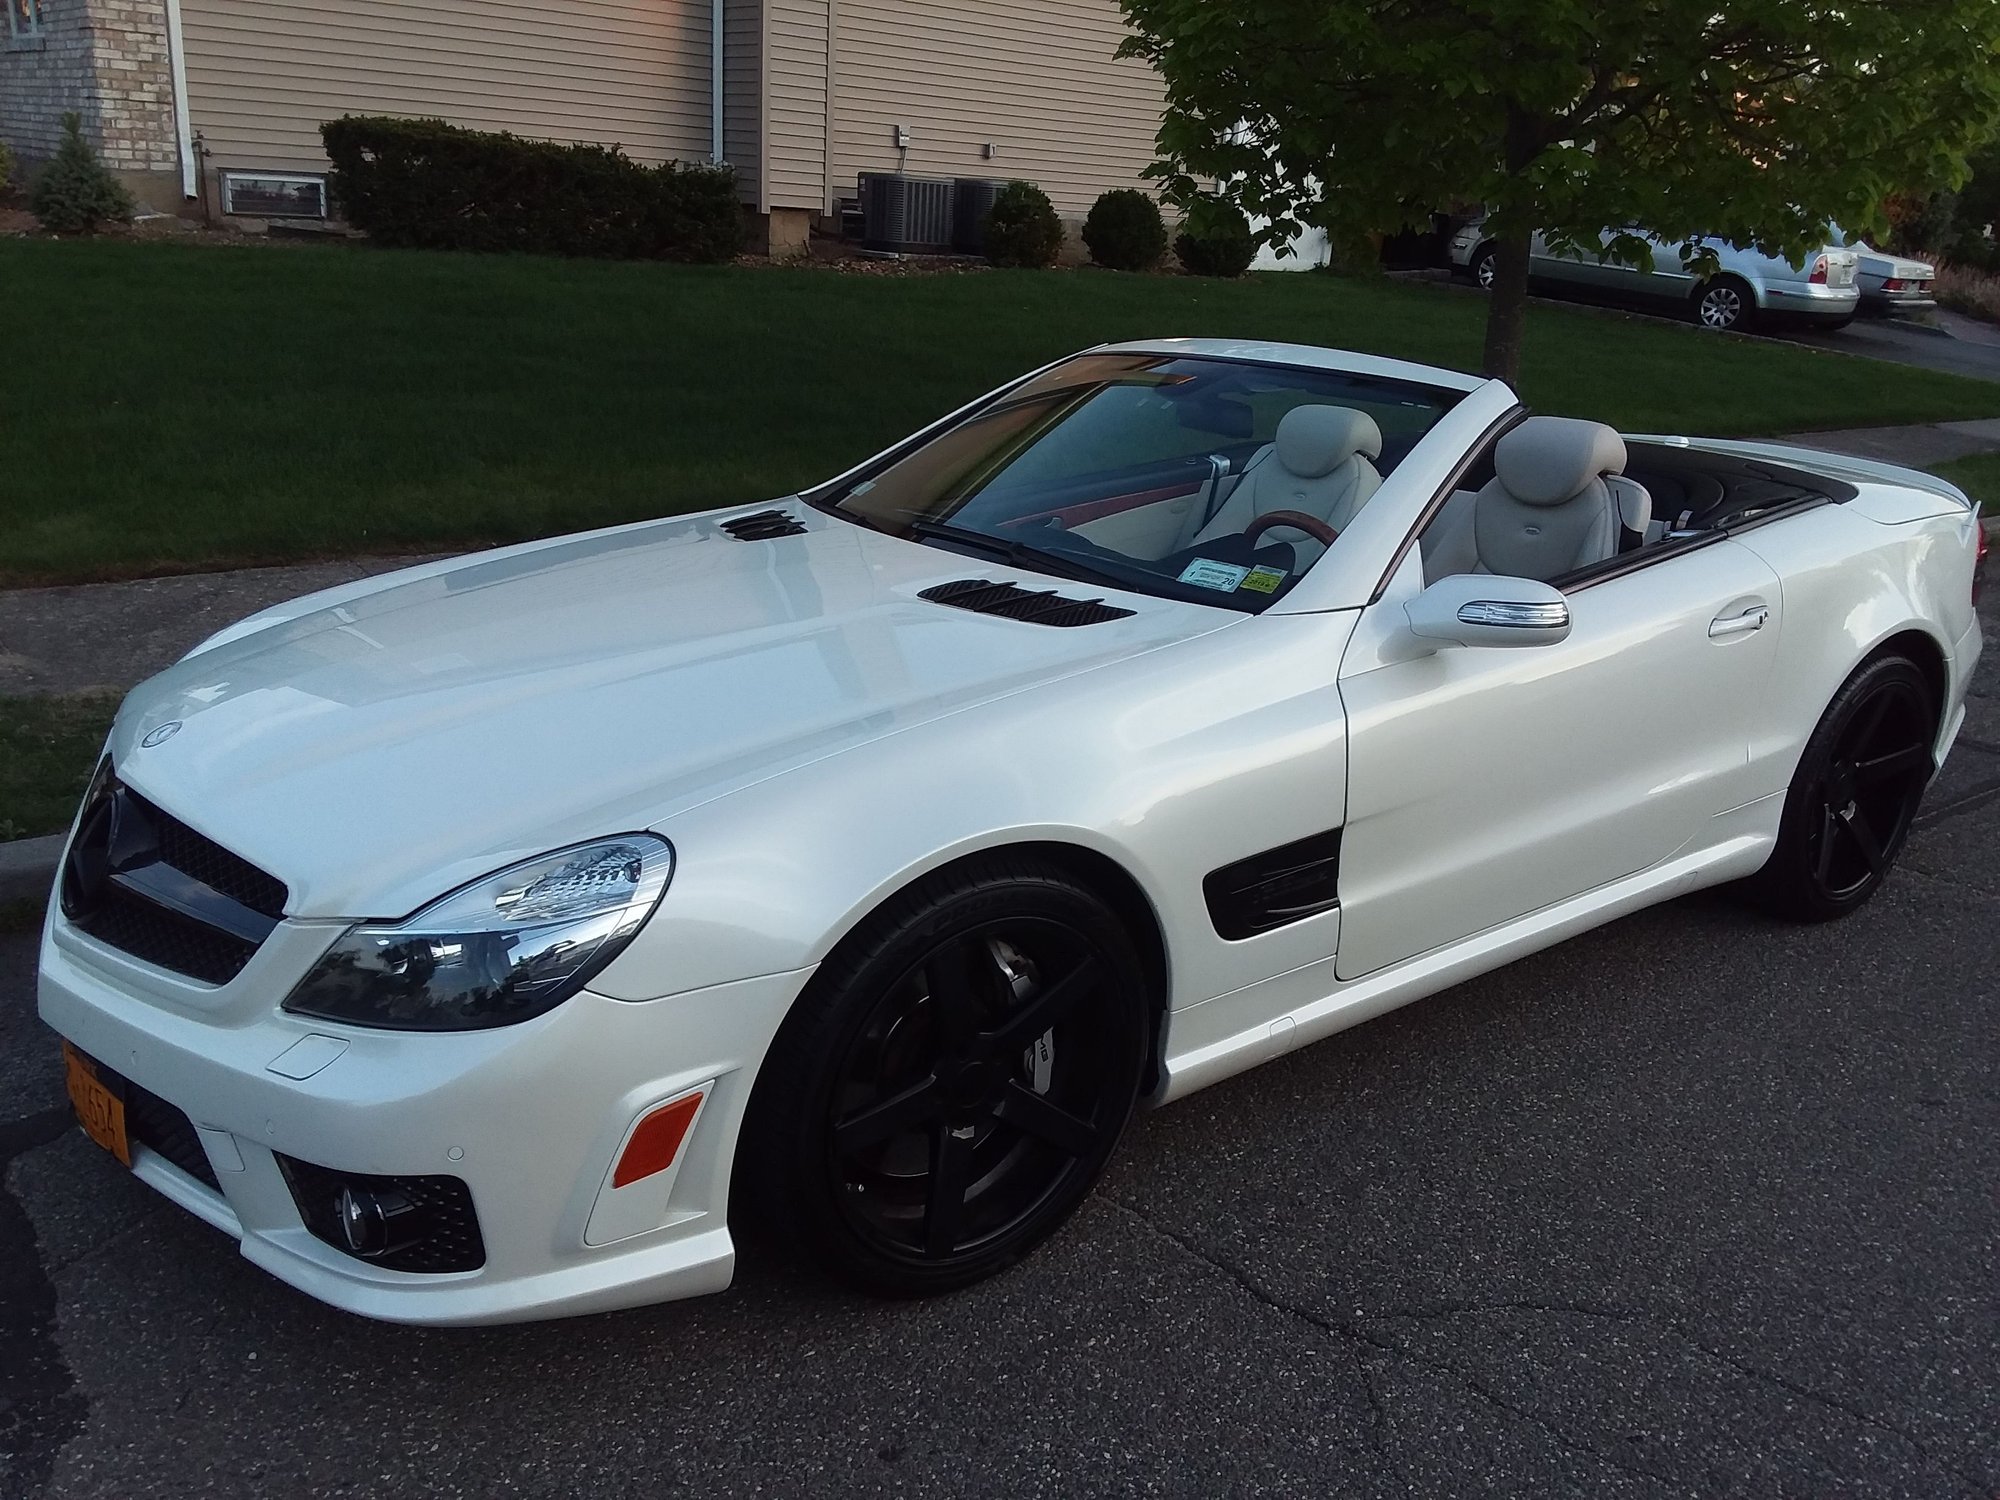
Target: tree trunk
1507, 311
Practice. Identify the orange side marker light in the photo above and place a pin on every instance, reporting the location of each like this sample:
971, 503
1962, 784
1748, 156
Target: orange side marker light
657, 1141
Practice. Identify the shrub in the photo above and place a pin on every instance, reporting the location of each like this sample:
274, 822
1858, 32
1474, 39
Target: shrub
1022, 228
6, 171
74, 193
1969, 291
423, 184
1124, 231
1216, 240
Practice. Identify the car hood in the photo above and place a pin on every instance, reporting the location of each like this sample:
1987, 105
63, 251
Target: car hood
379, 745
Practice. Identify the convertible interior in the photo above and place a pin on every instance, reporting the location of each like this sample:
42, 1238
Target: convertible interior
1555, 499
1224, 480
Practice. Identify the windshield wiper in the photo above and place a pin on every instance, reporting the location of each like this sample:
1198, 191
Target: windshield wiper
1020, 554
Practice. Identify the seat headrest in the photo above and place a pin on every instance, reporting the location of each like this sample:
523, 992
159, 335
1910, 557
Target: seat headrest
1547, 460
1316, 440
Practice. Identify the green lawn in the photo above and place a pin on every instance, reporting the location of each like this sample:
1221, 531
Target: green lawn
176, 406
48, 748
1978, 476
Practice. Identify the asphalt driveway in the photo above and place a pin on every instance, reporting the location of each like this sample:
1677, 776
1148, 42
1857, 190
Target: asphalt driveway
1696, 1204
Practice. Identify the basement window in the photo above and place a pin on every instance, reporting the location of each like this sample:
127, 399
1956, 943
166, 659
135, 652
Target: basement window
24, 22
274, 195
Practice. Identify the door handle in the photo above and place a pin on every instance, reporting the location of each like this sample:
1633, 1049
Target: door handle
1724, 626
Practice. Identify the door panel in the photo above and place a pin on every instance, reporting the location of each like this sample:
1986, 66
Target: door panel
1485, 783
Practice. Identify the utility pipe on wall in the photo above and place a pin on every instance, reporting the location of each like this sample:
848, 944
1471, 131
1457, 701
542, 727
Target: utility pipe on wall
177, 66
714, 78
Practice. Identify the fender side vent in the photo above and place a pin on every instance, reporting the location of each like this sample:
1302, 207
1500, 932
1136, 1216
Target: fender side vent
1276, 888
763, 526
1048, 608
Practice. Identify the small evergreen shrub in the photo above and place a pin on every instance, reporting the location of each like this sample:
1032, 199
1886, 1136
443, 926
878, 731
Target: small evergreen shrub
426, 185
75, 193
1022, 228
6, 171
1124, 231
1216, 240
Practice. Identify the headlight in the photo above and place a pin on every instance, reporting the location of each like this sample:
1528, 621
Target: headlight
501, 950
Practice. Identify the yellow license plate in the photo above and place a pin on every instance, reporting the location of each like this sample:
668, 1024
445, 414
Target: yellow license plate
100, 1110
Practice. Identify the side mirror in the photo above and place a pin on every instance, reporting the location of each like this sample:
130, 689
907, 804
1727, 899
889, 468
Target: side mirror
1471, 609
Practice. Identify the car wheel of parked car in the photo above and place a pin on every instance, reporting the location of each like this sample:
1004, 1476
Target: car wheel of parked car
1485, 265
1725, 304
953, 1081
1855, 794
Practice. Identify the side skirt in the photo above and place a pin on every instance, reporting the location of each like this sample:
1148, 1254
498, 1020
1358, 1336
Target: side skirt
1320, 1007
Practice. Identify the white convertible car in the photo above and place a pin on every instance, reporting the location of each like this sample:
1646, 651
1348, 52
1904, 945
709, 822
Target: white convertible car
486, 941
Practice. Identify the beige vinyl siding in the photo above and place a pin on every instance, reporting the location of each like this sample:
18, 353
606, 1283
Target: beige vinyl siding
743, 94
795, 79
263, 75
1036, 78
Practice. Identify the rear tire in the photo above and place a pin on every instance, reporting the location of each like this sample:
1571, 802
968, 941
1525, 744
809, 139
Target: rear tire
952, 1082
1725, 305
1854, 796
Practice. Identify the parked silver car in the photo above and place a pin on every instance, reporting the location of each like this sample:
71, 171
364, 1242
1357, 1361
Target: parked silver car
1745, 284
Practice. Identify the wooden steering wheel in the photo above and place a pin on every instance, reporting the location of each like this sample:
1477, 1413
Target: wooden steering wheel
1298, 520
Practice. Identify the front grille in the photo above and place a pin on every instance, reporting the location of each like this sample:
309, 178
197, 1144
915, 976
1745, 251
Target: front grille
138, 927
142, 881
446, 1235
1045, 607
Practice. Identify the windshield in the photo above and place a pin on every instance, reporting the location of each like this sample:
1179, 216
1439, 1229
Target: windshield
1213, 480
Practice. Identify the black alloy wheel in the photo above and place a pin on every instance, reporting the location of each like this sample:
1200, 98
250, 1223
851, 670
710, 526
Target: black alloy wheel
1856, 793
955, 1080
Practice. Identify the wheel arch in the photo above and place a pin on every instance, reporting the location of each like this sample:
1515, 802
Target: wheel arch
1921, 647
1751, 290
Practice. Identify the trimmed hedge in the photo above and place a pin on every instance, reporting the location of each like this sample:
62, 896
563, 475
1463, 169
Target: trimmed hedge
1216, 240
426, 185
1124, 231
1022, 228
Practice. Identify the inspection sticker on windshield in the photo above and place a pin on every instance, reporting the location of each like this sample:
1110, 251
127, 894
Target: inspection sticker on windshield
1263, 580
1203, 574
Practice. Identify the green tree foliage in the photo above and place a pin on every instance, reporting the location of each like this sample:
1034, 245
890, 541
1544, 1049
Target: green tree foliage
1754, 120
1124, 230
1022, 228
74, 193
1215, 240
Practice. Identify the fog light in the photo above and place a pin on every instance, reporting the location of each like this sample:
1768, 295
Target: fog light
377, 1222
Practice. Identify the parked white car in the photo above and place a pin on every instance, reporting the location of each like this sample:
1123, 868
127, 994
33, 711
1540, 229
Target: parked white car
482, 941
1819, 288
1887, 283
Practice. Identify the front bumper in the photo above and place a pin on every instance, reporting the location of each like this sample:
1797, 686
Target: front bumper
535, 1113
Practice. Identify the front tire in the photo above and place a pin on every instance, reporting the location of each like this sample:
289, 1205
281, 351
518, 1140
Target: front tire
1485, 266
1854, 796
953, 1081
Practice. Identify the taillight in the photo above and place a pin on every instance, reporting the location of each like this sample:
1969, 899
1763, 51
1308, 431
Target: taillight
1893, 284
1818, 276
1978, 557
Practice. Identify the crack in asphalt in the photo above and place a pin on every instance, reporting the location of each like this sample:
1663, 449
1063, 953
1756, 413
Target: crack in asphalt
1340, 1329
1354, 1333
40, 1405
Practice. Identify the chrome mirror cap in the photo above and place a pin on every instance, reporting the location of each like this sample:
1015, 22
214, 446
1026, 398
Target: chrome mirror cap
1477, 609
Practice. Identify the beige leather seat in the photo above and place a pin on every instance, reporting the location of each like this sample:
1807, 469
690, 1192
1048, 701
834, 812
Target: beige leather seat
1317, 463
1557, 502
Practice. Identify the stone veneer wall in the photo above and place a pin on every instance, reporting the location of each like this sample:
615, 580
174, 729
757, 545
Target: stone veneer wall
108, 61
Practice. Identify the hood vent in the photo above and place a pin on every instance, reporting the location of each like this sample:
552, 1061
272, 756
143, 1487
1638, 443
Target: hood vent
763, 526
1050, 608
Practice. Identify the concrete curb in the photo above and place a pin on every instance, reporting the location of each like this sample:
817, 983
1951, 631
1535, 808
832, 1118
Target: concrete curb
28, 868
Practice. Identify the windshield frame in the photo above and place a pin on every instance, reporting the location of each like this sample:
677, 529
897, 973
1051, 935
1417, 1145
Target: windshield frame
832, 496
